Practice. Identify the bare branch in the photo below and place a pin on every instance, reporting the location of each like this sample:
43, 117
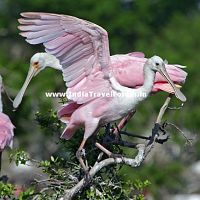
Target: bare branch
188, 140
176, 108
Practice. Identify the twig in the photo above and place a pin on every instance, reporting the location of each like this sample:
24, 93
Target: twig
176, 108
188, 140
48, 180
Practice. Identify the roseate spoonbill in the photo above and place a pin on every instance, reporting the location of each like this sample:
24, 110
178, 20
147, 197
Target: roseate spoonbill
83, 51
6, 128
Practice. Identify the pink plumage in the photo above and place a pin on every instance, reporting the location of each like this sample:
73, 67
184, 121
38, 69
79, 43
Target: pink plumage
6, 126
6, 131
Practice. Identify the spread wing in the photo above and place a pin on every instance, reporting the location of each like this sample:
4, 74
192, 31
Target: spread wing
80, 46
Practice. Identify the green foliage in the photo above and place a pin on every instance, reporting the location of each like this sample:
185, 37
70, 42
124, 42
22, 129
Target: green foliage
49, 122
19, 156
118, 189
6, 190
26, 194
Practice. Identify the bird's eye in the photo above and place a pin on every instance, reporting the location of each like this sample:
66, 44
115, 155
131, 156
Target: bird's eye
157, 64
36, 65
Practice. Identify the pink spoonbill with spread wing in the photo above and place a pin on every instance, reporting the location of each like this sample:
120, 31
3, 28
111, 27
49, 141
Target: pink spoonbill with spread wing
83, 51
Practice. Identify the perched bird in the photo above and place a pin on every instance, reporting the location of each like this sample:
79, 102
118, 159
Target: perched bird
83, 51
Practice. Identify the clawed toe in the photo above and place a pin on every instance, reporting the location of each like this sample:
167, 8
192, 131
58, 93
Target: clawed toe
162, 140
80, 154
88, 178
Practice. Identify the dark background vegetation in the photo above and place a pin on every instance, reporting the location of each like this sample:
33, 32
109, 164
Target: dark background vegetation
170, 29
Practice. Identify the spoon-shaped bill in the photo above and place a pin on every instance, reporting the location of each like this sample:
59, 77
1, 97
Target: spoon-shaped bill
31, 73
177, 91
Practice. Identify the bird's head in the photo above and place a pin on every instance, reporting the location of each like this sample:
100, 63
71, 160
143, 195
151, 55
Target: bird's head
38, 62
157, 64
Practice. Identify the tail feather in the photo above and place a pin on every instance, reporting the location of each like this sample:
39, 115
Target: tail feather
64, 114
68, 133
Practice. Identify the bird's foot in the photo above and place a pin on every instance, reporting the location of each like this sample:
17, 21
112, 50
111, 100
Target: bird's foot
154, 133
87, 177
162, 140
162, 128
80, 154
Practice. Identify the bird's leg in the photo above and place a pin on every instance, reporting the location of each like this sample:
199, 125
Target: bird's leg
88, 132
79, 155
122, 124
107, 152
102, 148
80, 152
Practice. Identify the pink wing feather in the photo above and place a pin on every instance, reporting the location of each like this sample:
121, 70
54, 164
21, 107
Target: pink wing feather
79, 45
